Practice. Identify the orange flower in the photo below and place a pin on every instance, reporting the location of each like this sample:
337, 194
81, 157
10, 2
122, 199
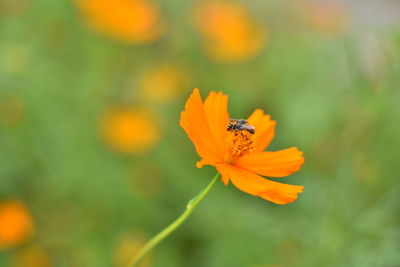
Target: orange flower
238, 153
16, 224
32, 256
11, 109
132, 21
162, 84
12, 8
129, 244
230, 33
130, 130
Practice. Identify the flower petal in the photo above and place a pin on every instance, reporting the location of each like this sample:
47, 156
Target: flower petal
264, 129
216, 109
194, 122
224, 171
273, 164
256, 185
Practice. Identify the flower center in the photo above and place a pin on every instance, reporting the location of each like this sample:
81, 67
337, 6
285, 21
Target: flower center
240, 139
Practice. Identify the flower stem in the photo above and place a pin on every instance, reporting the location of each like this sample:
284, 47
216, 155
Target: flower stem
190, 206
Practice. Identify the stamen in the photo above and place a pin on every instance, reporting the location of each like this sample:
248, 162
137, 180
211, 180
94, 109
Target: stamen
240, 143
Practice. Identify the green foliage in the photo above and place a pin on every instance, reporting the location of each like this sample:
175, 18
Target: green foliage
335, 97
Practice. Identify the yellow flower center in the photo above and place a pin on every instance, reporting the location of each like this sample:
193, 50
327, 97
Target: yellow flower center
240, 142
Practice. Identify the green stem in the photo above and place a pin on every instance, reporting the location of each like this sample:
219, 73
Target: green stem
191, 205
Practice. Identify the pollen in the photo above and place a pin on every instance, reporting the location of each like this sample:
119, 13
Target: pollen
240, 143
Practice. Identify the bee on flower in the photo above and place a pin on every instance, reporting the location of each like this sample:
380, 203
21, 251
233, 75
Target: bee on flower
236, 148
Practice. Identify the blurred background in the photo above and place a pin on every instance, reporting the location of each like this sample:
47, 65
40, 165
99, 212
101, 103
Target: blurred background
93, 161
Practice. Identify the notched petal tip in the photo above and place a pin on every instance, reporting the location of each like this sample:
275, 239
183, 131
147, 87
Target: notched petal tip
194, 99
276, 197
256, 185
282, 195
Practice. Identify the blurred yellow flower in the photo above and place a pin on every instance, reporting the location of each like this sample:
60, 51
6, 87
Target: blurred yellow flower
162, 84
131, 21
229, 31
130, 130
328, 17
14, 57
11, 109
129, 245
32, 256
16, 225
14, 8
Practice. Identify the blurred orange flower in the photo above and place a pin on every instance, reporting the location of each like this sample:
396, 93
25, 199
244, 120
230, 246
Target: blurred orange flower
16, 225
14, 8
328, 17
131, 21
235, 148
130, 244
11, 109
130, 130
162, 84
230, 33
33, 256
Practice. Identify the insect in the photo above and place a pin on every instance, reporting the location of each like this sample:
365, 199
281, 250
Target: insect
240, 125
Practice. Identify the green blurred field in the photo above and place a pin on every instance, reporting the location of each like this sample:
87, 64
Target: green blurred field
335, 96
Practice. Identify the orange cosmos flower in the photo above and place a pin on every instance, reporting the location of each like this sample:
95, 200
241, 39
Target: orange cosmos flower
14, 8
16, 224
130, 243
32, 256
132, 21
11, 109
162, 84
230, 33
130, 130
236, 148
